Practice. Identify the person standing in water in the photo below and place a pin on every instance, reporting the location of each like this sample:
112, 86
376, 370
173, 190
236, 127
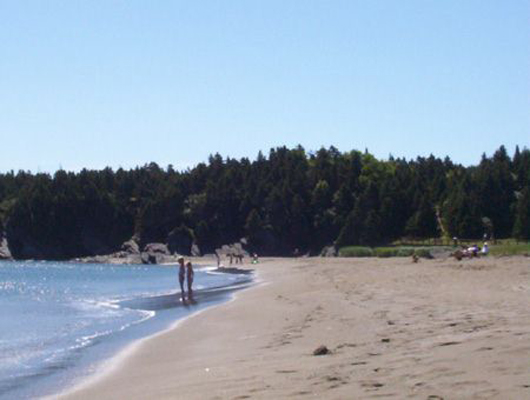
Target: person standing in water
189, 276
182, 273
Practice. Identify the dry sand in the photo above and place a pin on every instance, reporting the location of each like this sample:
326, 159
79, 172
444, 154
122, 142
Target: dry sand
432, 330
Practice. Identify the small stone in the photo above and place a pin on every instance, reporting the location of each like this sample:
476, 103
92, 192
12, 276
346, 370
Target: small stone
321, 350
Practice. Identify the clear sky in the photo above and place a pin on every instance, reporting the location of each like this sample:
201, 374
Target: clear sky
100, 83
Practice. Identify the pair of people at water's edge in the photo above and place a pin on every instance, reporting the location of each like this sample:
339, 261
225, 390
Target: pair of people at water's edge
186, 271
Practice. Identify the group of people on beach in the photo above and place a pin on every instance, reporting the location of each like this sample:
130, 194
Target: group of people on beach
471, 251
238, 257
185, 274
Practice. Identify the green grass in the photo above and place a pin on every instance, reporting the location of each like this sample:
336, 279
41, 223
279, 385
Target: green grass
392, 251
356, 251
399, 251
509, 248
503, 247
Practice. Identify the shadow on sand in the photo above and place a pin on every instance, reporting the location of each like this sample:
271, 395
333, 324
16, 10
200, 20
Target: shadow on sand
202, 296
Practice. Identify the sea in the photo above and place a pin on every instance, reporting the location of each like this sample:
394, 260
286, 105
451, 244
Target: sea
59, 321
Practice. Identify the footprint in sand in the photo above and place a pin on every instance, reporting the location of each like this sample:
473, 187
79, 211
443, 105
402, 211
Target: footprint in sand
359, 363
449, 343
372, 384
485, 349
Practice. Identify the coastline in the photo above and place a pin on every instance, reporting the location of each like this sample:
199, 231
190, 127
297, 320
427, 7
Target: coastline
111, 365
437, 328
206, 298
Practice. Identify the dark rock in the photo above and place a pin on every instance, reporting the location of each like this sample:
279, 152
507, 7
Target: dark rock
321, 351
151, 258
145, 258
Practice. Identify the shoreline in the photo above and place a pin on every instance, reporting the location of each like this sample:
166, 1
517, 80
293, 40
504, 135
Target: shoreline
109, 365
394, 328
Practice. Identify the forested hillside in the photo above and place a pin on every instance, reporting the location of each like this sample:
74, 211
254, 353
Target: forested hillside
288, 200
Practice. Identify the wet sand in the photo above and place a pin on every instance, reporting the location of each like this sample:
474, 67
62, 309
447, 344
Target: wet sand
395, 329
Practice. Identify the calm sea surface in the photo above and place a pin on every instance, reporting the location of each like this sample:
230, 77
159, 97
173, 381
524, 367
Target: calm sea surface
58, 321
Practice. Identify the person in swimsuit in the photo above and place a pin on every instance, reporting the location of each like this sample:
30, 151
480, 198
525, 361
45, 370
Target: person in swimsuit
189, 273
182, 273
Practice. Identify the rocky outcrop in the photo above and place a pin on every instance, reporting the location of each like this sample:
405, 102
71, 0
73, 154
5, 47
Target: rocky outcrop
195, 250
130, 247
234, 252
329, 251
5, 253
155, 253
156, 248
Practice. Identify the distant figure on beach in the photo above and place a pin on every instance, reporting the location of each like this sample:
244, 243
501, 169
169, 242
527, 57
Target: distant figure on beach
472, 251
182, 273
189, 276
485, 249
255, 258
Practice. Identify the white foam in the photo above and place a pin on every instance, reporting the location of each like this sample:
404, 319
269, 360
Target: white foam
109, 366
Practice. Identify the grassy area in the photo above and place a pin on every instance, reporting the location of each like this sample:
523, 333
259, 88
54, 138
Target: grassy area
503, 247
509, 247
356, 251
392, 251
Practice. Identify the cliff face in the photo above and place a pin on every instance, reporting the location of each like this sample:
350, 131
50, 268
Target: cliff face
5, 253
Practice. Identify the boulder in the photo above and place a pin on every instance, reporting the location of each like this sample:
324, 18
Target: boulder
321, 351
5, 253
130, 247
150, 258
329, 251
195, 251
156, 248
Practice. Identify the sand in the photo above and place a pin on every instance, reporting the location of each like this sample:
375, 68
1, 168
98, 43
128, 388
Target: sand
395, 329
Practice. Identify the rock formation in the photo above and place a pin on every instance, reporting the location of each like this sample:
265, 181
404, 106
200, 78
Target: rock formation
5, 253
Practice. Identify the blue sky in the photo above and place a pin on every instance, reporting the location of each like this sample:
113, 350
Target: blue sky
122, 83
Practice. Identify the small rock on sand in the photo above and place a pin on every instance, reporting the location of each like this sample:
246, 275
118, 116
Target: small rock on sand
321, 350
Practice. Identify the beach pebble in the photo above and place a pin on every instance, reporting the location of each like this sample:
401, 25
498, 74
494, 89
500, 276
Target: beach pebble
321, 350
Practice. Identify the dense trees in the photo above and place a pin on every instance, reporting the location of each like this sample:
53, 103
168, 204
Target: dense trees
289, 200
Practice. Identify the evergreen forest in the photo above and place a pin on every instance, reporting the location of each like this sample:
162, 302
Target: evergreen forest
290, 200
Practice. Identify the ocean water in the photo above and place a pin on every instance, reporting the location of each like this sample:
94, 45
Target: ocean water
59, 321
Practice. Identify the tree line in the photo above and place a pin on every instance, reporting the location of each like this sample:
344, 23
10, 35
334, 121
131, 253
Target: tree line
290, 200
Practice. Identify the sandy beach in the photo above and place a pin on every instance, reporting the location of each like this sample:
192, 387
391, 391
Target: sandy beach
438, 329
